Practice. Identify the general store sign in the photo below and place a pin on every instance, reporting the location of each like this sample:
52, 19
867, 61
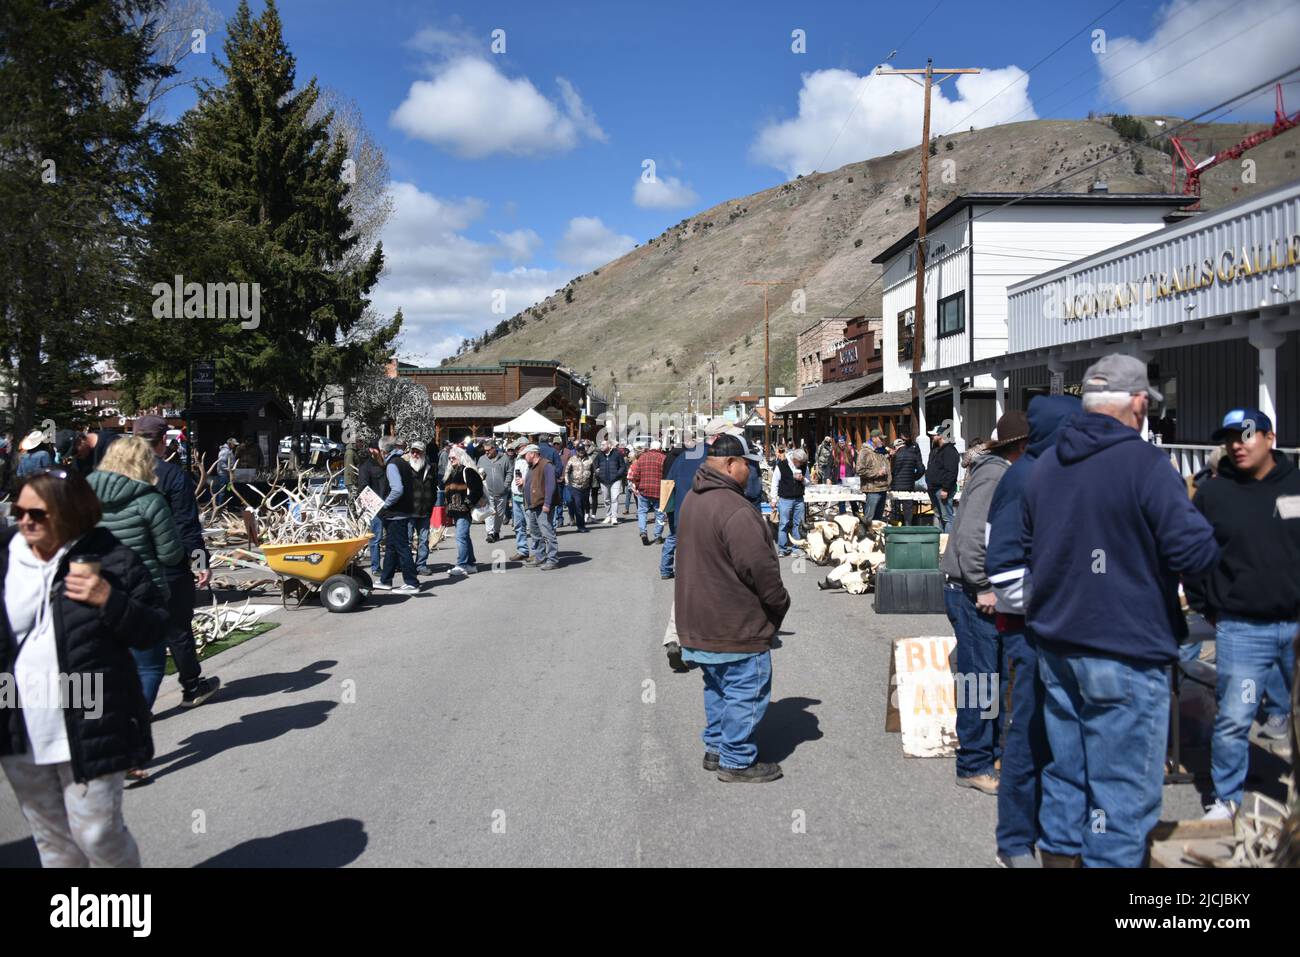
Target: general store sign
457, 393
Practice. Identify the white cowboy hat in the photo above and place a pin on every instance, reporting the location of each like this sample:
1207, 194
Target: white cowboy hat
34, 438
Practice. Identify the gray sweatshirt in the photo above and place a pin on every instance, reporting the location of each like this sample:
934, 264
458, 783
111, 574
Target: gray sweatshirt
967, 542
497, 473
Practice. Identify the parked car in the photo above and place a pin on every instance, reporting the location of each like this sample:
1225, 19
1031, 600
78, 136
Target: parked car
310, 445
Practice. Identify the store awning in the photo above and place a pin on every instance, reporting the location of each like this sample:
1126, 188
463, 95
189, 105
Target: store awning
902, 399
825, 396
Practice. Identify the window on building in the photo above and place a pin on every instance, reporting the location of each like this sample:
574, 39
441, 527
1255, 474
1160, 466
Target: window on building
952, 315
906, 332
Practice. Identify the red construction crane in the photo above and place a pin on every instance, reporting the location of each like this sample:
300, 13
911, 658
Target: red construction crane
1192, 170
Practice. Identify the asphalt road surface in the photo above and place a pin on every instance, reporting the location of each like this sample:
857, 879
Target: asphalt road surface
521, 717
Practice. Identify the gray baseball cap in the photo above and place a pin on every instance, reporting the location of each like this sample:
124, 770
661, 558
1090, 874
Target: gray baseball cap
1119, 373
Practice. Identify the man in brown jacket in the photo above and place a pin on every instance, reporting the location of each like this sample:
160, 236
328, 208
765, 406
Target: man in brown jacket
873, 471
729, 604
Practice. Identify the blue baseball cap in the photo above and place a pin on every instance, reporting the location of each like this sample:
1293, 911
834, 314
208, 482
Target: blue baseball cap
1239, 420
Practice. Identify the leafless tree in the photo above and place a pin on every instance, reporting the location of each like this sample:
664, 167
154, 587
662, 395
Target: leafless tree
182, 28
366, 172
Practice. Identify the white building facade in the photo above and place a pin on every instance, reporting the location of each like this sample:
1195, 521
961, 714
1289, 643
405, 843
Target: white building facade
977, 246
1211, 304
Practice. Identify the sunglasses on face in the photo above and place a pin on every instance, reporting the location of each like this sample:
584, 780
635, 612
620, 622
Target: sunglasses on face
37, 515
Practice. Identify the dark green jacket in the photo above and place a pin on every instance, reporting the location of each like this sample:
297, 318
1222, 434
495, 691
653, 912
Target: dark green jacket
139, 517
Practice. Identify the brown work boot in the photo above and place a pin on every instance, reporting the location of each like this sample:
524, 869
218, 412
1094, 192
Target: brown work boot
1059, 860
987, 783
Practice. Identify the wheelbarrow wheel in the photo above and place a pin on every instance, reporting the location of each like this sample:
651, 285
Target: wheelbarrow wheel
363, 580
340, 593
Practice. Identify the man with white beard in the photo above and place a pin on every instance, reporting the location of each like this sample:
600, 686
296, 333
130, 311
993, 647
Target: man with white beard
426, 494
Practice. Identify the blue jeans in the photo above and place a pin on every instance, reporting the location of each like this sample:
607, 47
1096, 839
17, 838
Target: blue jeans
1247, 654
521, 525
667, 558
376, 536
942, 510
1107, 724
980, 682
557, 513
735, 697
464, 546
577, 501
150, 664
422, 546
644, 506
542, 542
790, 513
874, 505
397, 551
1024, 750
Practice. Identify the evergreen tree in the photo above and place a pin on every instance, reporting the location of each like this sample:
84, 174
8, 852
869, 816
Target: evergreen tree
257, 196
74, 170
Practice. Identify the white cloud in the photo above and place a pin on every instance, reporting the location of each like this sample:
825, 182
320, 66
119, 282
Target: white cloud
473, 109
1200, 53
831, 131
520, 244
588, 243
447, 283
664, 192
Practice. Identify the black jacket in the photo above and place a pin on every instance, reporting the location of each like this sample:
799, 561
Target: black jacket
786, 486
941, 473
426, 492
177, 486
370, 474
611, 467
906, 468
1258, 574
96, 641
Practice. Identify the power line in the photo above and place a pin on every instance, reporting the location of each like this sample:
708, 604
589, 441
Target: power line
1058, 49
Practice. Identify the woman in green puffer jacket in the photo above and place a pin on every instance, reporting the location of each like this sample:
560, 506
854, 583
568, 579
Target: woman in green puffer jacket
139, 517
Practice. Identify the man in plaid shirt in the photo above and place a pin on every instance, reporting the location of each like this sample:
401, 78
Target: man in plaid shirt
644, 476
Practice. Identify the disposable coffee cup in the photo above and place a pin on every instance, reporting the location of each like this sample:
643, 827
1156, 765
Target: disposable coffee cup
84, 564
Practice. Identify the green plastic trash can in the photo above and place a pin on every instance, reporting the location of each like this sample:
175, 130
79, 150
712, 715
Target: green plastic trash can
911, 547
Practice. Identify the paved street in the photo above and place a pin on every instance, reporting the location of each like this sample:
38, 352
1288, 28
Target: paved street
499, 720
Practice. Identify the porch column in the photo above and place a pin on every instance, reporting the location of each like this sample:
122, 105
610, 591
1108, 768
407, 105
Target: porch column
1266, 343
999, 394
956, 411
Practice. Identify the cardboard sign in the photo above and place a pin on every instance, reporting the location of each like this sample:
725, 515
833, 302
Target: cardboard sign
922, 696
369, 504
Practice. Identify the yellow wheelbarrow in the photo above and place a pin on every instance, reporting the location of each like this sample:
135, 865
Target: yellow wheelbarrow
326, 567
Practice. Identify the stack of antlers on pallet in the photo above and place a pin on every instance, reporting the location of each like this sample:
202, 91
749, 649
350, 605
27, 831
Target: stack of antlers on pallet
856, 549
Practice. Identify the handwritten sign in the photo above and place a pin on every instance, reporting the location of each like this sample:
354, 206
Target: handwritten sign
922, 698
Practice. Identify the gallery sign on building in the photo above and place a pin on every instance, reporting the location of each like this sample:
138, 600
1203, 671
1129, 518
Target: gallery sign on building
1211, 304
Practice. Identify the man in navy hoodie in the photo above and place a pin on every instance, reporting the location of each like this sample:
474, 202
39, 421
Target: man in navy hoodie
1108, 530
1024, 747
1252, 596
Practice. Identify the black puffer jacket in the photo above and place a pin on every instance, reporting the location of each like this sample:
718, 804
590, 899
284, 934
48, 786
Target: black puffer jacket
906, 468
96, 641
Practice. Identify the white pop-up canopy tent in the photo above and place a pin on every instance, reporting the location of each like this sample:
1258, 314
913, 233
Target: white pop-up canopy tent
530, 423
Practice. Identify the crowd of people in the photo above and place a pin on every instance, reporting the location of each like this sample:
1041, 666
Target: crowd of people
1069, 543
99, 585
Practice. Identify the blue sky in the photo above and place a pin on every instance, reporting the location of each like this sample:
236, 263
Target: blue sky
515, 171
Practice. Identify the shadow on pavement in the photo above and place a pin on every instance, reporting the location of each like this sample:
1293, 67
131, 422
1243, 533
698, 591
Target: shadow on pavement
20, 853
282, 682
787, 725
332, 844
250, 729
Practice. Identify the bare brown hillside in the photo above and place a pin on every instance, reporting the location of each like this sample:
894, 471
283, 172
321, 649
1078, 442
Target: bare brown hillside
643, 323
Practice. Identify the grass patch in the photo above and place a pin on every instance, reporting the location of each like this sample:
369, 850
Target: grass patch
235, 638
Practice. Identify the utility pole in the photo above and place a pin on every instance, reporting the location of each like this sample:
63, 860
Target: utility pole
713, 375
767, 387
918, 329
